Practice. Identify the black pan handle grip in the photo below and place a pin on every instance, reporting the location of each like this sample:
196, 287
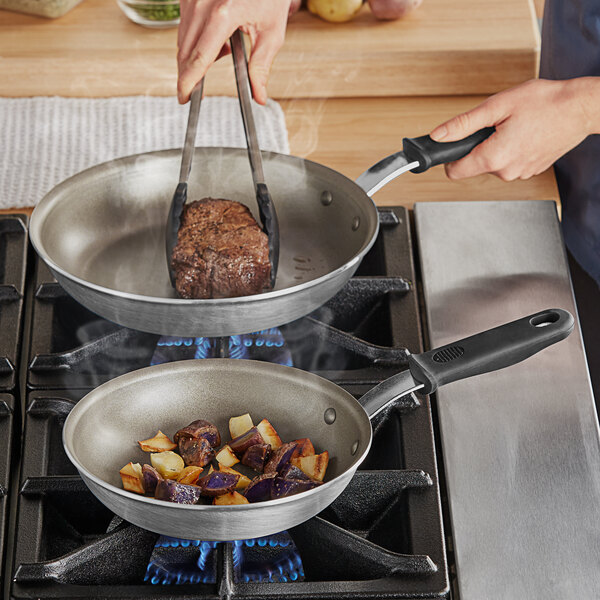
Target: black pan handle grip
430, 153
491, 350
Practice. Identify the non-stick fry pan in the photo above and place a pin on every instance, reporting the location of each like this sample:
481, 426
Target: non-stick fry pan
102, 233
100, 433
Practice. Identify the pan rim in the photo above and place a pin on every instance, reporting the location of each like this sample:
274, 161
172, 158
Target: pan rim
88, 399
45, 205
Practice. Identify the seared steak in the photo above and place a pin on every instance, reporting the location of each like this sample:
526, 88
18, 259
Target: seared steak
221, 251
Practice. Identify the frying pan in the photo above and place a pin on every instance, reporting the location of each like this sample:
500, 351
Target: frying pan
102, 233
100, 433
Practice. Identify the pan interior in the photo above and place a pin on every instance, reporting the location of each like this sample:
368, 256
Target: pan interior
102, 430
106, 225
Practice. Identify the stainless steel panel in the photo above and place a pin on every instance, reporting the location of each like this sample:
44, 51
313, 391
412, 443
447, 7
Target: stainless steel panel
521, 447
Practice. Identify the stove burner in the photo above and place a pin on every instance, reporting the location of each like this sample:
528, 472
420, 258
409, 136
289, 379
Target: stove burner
268, 559
267, 345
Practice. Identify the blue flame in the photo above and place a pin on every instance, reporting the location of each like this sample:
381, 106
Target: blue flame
267, 345
175, 562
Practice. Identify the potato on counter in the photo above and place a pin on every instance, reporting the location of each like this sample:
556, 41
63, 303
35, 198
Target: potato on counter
340, 11
389, 10
335, 11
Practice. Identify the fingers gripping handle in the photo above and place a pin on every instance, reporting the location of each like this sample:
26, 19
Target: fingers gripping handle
429, 153
491, 350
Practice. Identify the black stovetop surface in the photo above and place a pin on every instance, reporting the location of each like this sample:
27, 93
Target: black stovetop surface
383, 538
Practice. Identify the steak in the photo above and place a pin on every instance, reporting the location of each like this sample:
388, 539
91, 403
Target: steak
221, 251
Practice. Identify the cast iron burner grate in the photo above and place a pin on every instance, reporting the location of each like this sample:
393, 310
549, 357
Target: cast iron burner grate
381, 539
272, 559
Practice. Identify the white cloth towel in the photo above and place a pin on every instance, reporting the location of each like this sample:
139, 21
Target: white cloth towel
46, 140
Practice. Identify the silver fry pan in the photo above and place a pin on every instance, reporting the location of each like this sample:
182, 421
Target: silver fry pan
102, 233
100, 433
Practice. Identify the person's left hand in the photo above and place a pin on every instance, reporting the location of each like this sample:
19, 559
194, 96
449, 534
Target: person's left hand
536, 123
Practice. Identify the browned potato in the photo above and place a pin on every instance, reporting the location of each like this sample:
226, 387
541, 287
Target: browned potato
268, 433
231, 498
190, 475
304, 448
314, 466
200, 429
168, 464
131, 476
227, 457
159, 443
196, 452
239, 425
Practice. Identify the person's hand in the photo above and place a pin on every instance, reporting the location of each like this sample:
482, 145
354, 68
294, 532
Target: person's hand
207, 25
536, 123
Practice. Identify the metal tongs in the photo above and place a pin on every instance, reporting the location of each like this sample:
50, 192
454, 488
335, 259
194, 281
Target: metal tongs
266, 208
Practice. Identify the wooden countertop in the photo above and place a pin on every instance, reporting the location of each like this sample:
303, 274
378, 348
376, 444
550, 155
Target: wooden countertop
96, 51
443, 48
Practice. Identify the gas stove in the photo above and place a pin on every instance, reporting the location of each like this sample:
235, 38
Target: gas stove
405, 527
383, 538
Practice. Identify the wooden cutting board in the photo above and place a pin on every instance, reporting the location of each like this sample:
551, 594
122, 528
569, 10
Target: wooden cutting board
446, 47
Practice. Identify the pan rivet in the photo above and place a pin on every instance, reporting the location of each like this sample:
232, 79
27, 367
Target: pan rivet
326, 198
354, 448
355, 223
330, 416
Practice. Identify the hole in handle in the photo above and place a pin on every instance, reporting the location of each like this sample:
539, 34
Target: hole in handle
544, 319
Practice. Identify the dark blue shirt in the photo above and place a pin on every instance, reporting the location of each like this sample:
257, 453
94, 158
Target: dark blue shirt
571, 48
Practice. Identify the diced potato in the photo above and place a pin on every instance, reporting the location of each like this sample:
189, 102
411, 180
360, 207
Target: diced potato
314, 466
196, 452
280, 458
190, 475
131, 476
150, 478
168, 464
239, 425
218, 483
227, 457
180, 493
243, 481
200, 429
304, 448
159, 443
269, 434
231, 498
241, 443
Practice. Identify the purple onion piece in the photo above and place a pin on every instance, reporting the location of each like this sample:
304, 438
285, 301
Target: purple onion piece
257, 456
291, 471
282, 488
200, 429
217, 483
150, 477
195, 452
259, 488
180, 493
242, 442
280, 457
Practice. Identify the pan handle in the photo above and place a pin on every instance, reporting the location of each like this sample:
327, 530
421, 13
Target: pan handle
418, 155
484, 352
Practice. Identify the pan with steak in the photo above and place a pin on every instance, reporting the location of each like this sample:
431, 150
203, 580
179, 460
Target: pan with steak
221, 251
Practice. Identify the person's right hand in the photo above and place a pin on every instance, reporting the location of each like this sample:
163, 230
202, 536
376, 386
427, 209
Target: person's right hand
204, 32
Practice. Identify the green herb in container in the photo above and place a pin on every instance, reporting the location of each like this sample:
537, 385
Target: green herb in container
152, 13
